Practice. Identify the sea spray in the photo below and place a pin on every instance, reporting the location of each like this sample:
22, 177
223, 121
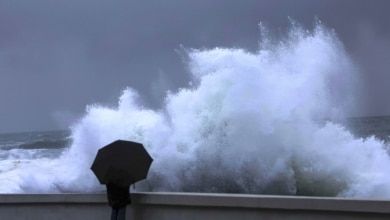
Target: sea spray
263, 122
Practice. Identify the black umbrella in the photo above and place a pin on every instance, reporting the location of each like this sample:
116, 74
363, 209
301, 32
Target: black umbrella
123, 162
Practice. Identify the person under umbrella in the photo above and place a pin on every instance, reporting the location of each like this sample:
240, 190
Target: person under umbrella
118, 196
119, 165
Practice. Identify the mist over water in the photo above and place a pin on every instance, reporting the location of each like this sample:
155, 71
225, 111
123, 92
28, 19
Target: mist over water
266, 122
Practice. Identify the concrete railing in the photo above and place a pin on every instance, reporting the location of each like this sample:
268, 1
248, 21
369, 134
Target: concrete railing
195, 206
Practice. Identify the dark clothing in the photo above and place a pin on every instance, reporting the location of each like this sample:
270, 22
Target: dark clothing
118, 196
118, 214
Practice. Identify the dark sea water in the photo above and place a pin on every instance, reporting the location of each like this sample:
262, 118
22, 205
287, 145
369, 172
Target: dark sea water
31, 145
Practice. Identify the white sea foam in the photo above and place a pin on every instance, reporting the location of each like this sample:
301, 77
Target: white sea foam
263, 122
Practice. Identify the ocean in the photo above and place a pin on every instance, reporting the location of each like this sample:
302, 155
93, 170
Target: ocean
33, 145
275, 121
26, 147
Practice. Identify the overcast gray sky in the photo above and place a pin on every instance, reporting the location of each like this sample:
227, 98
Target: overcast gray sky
56, 56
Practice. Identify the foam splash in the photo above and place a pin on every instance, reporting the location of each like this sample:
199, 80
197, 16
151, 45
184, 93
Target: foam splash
263, 122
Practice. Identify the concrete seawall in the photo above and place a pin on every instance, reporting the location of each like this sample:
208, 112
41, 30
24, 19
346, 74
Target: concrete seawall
190, 206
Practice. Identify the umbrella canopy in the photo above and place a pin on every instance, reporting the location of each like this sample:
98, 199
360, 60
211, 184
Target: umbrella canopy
123, 162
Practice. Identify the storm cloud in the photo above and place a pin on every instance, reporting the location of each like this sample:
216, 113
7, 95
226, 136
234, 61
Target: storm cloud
57, 57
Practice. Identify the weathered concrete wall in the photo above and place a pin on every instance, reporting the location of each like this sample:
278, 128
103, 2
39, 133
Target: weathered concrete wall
190, 206
54, 206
